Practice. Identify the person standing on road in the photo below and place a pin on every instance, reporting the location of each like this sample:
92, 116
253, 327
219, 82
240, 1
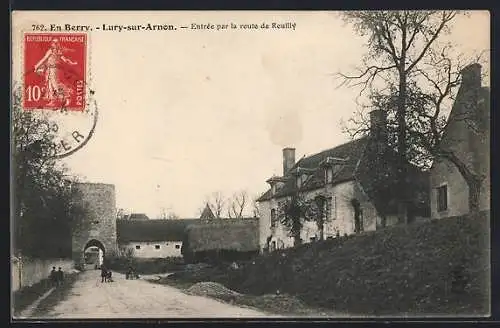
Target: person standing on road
60, 276
104, 272
53, 276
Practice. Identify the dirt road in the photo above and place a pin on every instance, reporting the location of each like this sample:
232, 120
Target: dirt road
89, 298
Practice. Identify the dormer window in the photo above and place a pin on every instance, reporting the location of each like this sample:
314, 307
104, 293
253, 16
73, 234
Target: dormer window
301, 179
332, 166
276, 183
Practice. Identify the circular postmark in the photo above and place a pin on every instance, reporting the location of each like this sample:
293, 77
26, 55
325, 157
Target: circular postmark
71, 130
55, 87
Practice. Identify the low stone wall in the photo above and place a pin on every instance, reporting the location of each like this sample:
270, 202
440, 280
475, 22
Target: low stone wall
27, 272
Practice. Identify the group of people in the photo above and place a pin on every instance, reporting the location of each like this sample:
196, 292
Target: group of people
131, 274
106, 275
56, 277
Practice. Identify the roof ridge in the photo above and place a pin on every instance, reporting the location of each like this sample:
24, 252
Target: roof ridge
362, 155
332, 148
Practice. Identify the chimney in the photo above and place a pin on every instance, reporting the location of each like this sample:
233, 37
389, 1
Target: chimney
471, 76
288, 159
378, 125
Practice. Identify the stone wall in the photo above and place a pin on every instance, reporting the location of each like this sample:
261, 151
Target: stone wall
100, 225
26, 272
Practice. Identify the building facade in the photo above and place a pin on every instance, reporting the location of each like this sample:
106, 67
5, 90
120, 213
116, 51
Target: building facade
467, 135
153, 238
154, 249
353, 184
98, 228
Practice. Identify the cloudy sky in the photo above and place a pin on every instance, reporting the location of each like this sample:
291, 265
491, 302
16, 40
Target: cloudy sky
183, 114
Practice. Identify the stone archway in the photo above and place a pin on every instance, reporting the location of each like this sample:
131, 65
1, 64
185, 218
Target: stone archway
91, 257
98, 223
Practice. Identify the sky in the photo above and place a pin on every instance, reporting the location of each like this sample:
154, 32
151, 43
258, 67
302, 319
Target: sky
187, 113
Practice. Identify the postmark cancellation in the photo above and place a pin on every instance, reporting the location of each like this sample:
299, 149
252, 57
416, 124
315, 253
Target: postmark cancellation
55, 84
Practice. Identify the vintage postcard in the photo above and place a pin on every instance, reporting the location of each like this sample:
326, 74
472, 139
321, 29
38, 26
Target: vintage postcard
259, 164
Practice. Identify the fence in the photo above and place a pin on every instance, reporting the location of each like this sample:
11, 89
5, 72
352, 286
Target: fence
27, 272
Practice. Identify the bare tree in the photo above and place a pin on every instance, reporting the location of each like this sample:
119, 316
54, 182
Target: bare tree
163, 213
216, 203
255, 208
429, 101
399, 42
120, 214
443, 77
237, 204
172, 216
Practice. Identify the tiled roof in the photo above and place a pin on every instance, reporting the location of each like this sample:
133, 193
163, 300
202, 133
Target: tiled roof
152, 230
351, 152
356, 163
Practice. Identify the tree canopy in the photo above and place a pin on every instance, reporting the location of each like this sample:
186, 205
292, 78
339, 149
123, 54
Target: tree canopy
45, 206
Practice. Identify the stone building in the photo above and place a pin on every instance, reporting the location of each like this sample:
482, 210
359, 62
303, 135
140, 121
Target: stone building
153, 238
355, 182
98, 228
467, 135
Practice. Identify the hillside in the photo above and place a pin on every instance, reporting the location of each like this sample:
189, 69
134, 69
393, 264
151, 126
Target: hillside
435, 268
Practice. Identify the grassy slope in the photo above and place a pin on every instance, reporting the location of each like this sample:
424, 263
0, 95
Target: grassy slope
404, 269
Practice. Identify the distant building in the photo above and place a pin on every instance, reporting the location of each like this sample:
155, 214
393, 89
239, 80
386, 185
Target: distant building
153, 238
207, 213
135, 216
347, 178
467, 134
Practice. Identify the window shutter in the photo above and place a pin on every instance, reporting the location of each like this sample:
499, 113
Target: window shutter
333, 207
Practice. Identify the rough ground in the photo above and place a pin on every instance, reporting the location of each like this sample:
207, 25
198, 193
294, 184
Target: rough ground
438, 268
89, 298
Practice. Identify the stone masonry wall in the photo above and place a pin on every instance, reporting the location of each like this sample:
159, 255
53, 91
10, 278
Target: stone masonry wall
100, 201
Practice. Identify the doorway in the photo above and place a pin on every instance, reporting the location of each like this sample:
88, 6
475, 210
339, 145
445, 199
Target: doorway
93, 252
358, 216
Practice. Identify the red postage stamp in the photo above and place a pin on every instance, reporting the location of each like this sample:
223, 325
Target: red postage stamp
55, 71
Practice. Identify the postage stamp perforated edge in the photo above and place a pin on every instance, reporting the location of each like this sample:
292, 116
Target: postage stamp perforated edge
90, 109
84, 78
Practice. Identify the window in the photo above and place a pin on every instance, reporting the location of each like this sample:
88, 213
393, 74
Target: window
177, 246
336, 169
157, 246
273, 217
331, 208
442, 198
301, 179
329, 175
138, 247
